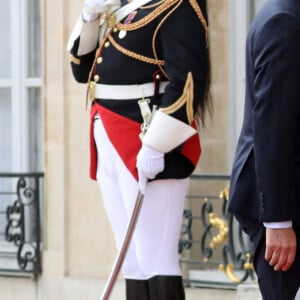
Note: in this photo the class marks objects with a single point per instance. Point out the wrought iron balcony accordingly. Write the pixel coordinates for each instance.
(212, 245)
(214, 250)
(20, 228)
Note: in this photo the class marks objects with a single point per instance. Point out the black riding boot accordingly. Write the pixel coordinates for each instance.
(166, 288)
(137, 289)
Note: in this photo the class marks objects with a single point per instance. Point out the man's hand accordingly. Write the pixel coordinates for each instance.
(281, 247)
(149, 163)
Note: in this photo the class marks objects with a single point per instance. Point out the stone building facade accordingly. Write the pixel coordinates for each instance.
(78, 247)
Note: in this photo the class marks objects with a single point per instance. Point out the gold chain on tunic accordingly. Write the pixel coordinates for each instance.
(164, 6)
(150, 17)
(135, 55)
(147, 19)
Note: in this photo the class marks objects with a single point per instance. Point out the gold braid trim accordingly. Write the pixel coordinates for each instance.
(199, 13)
(187, 98)
(188, 92)
(74, 59)
(156, 32)
(135, 55)
(147, 19)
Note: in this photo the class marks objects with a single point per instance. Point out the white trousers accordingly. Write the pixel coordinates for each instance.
(154, 246)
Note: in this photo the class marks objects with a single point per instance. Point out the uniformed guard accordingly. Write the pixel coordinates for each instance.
(146, 66)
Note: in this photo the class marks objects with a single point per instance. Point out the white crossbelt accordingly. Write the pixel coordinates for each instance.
(131, 91)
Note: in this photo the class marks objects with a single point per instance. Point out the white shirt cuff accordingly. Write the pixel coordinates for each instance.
(278, 225)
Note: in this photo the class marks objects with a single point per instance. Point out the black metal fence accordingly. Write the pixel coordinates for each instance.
(214, 250)
(20, 226)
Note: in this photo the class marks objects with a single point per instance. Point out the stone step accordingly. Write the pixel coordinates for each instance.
(71, 288)
(79, 288)
(251, 292)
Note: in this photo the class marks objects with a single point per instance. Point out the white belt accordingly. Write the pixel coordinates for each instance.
(131, 91)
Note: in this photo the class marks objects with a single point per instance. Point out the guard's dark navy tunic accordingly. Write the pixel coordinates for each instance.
(162, 41)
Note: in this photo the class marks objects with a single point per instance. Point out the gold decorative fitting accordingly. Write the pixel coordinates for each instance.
(229, 270)
(157, 77)
(96, 78)
(248, 265)
(111, 20)
(106, 44)
(222, 226)
(91, 90)
(99, 60)
(74, 59)
(122, 34)
(224, 194)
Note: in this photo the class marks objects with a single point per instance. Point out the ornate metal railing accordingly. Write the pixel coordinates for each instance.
(20, 227)
(214, 250)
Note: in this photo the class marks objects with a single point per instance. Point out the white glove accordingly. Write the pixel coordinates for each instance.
(93, 8)
(149, 163)
(89, 11)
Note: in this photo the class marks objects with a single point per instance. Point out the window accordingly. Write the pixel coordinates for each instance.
(20, 136)
(20, 86)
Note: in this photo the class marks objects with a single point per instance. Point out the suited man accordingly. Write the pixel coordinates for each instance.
(265, 182)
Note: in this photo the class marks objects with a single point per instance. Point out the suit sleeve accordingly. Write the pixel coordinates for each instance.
(276, 115)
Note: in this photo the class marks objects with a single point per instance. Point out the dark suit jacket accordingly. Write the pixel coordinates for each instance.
(265, 181)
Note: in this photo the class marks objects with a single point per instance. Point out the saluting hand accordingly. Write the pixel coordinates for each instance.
(87, 13)
(93, 8)
(281, 247)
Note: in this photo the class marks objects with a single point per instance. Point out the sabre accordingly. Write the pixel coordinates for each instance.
(122, 252)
